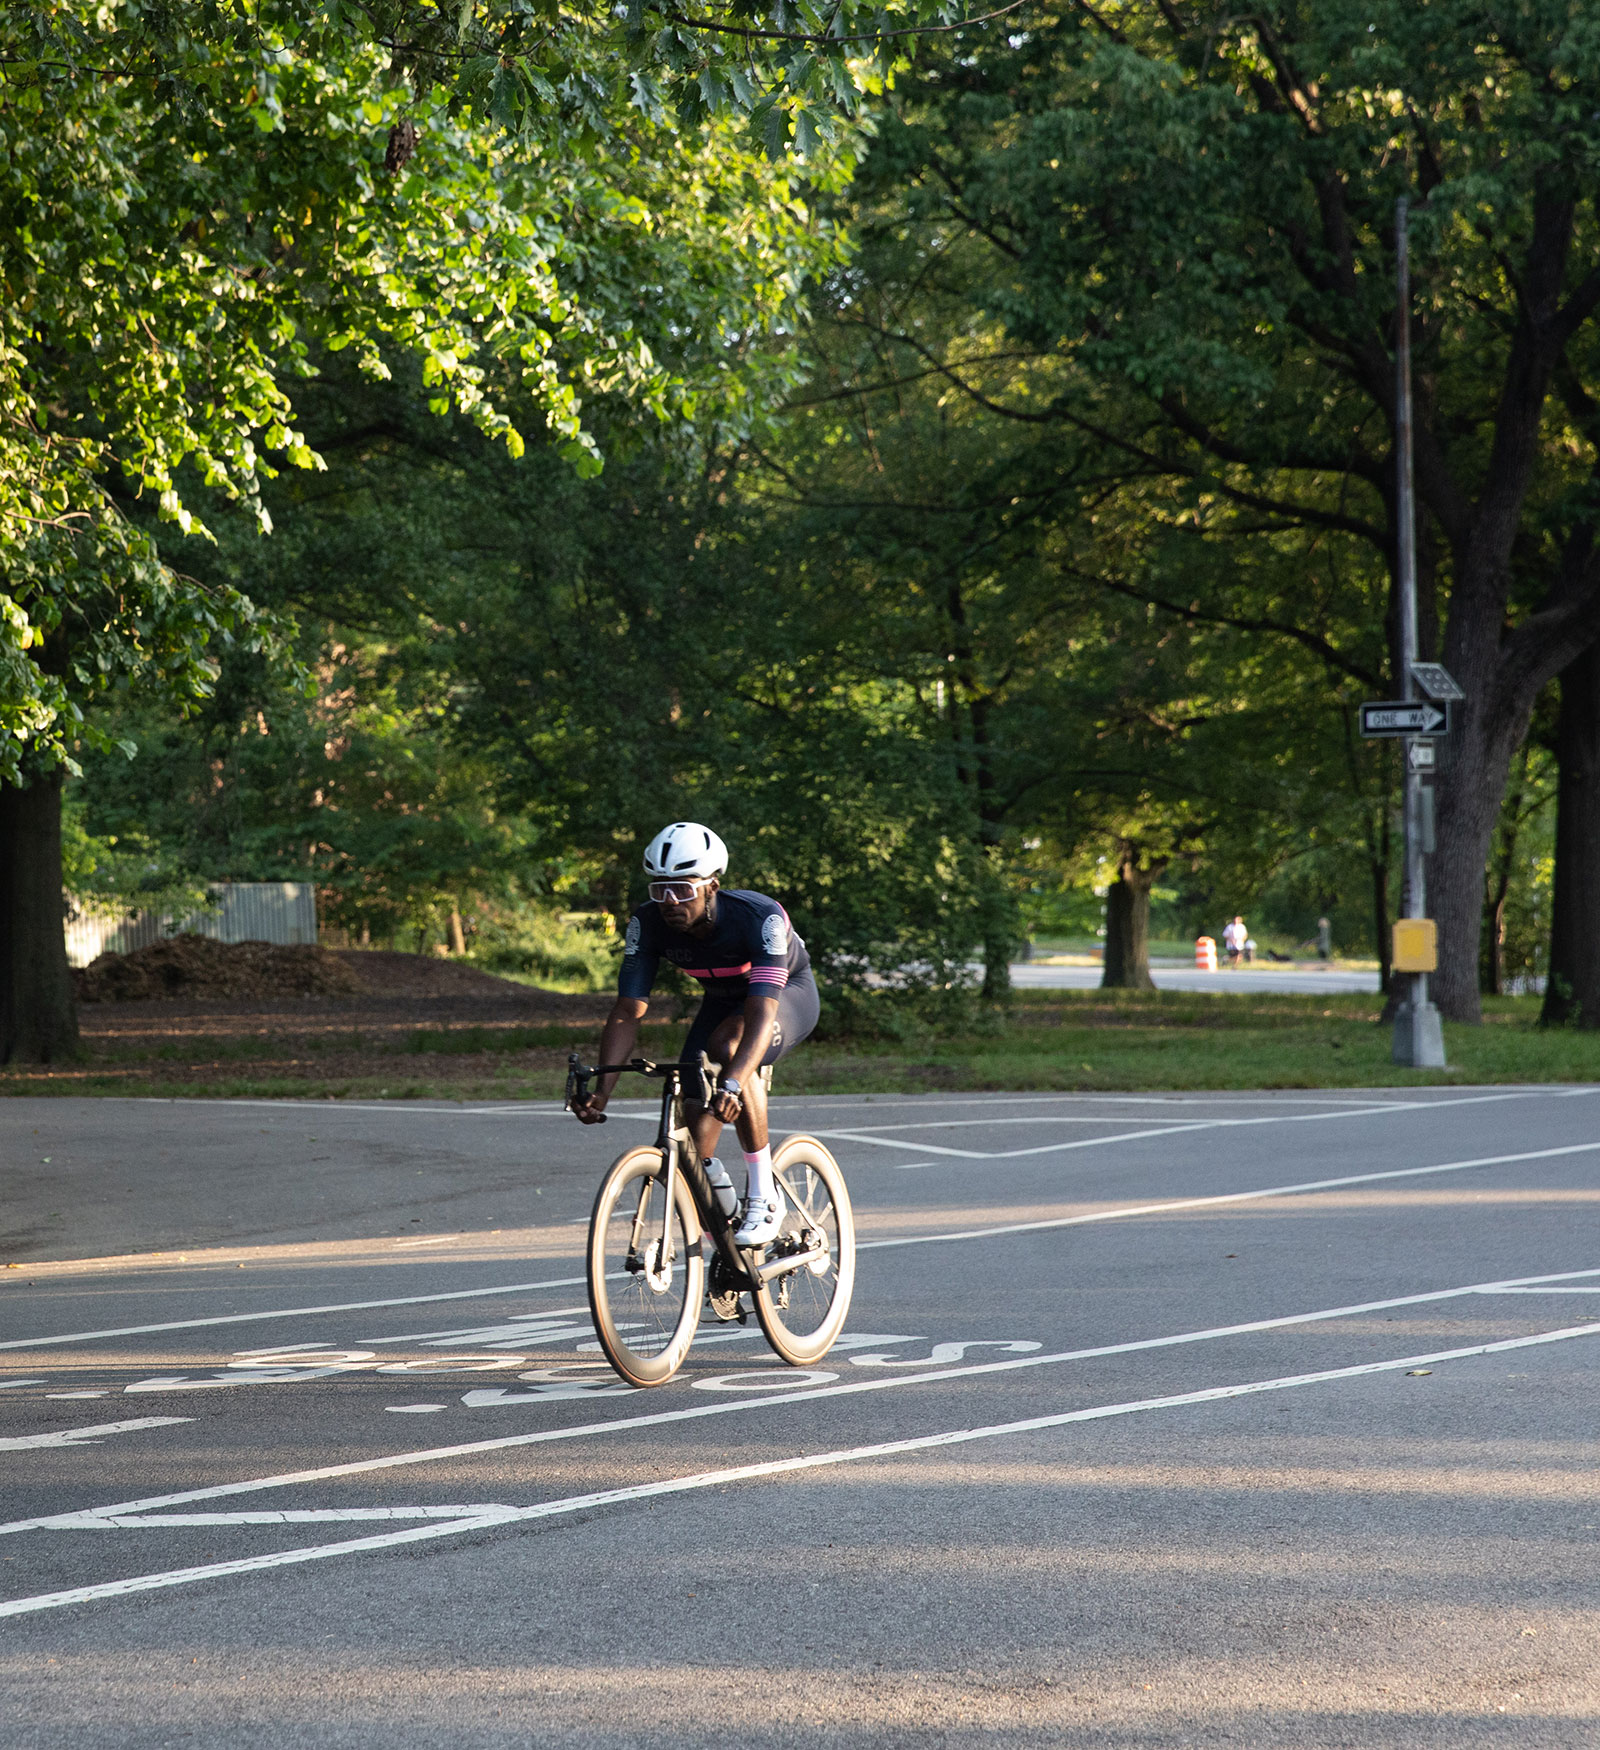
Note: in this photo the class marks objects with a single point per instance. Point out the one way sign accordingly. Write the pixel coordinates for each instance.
(1404, 717)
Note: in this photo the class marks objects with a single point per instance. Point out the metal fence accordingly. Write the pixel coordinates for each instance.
(246, 911)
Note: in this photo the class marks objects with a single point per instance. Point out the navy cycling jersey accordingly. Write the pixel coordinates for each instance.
(752, 947)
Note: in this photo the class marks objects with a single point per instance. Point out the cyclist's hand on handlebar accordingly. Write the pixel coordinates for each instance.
(725, 1105)
(591, 1109)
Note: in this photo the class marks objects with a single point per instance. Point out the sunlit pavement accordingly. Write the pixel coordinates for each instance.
(1260, 1419)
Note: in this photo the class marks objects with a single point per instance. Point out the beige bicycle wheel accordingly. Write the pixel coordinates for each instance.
(803, 1310)
(646, 1306)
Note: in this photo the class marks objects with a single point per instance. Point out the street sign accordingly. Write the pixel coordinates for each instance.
(1436, 681)
(1420, 756)
(1404, 717)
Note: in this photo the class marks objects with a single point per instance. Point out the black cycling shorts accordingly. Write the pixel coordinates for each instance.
(798, 1008)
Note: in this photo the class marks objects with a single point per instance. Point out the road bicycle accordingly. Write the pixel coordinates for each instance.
(648, 1276)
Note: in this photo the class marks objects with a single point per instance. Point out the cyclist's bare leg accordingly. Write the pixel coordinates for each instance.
(751, 1123)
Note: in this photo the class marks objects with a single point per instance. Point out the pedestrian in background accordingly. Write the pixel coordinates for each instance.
(1324, 939)
(1233, 939)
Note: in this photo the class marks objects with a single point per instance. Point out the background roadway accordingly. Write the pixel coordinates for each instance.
(1143, 1433)
(1257, 981)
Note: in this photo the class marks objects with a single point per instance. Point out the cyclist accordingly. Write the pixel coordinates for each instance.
(760, 1001)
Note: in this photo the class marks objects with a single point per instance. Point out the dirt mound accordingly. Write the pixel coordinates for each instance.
(388, 973)
(197, 966)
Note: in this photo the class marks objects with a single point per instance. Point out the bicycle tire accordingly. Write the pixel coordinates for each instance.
(803, 1312)
(645, 1317)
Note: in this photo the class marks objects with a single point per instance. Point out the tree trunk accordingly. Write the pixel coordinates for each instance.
(1493, 722)
(1128, 928)
(1494, 970)
(1572, 993)
(38, 1013)
(997, 969)
(1497, 884)
(458, 939)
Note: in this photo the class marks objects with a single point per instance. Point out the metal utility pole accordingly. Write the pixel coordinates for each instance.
(1418, 1037)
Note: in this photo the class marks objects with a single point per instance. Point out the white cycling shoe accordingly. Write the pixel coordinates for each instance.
(763, 1216)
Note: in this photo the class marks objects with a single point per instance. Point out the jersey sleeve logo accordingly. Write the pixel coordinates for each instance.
(630, 942)
(775, 934)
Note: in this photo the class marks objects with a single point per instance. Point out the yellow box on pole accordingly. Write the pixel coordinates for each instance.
(1416, 945)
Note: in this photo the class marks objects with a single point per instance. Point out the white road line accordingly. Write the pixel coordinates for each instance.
(291, 1312)
(650, 1108)
(405, 1108)
(1122, 1214)
(491, 1517)
(534, 1323)
(1591, 1289)
(696, 1412)
(1304, 1187)
(86, 1436)
(1048, 1148)
(867, 1134)
(285, 1516)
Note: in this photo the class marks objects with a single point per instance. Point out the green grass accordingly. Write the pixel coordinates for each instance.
(1065, 1041)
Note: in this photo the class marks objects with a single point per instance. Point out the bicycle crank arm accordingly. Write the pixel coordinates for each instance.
(792, 1261)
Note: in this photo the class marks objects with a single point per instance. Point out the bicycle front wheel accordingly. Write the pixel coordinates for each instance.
(803, 1310)
(645, 1298)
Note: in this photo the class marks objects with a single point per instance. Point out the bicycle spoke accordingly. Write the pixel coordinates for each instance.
(645, 1282)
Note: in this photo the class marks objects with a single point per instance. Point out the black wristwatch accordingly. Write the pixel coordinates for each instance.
(730, 1085)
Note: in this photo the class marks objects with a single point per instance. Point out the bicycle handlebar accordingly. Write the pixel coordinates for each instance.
(579, 1075)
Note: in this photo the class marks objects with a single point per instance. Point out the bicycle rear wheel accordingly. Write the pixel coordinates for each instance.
(803, 1310)
(645, 1307)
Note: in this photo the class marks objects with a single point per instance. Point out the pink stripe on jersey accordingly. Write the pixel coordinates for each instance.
(775, 975)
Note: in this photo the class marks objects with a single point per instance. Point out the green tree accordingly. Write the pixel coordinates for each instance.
(195, 204)
(1190, 212)
(1099, 671)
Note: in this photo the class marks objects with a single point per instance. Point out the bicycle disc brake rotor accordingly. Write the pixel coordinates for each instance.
(814, 1237)
(655, 1272)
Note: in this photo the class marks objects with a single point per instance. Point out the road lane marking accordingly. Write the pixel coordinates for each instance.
(290, 1312)
(696, 1412)
(864, 1245)
(489, 1518)
(86, 1436)
(1589, 1289)
(1048, 1148)
(544, 1109)
(1302, 1188)
(865, 1134)
(282, 1516)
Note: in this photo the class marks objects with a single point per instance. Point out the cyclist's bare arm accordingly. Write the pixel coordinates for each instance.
(616, 1046)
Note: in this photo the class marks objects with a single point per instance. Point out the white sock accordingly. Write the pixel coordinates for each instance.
(760, 1182)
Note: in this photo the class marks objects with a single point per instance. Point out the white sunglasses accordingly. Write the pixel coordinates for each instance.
(679, 891)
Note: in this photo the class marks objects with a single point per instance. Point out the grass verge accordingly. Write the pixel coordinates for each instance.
(1042, 1041)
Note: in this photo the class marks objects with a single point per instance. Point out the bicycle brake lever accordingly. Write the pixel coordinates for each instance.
(577, 1081)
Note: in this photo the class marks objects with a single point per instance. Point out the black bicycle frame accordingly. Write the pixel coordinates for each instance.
(674, 1140)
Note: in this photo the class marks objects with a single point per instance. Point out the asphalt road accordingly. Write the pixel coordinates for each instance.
(1258, 981)
(1160, 1421)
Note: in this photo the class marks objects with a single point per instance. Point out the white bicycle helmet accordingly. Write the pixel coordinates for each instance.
(685, 848)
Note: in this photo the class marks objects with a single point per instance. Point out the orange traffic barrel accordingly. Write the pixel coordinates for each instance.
(1205, 954)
